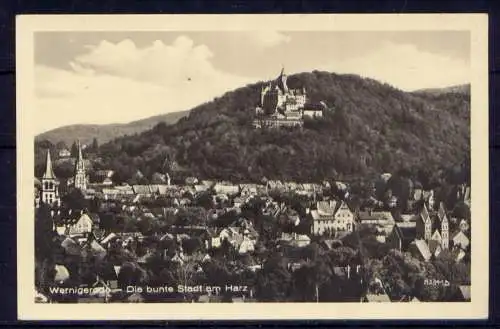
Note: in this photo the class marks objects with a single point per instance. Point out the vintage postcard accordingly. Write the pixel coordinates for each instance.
(252, 166)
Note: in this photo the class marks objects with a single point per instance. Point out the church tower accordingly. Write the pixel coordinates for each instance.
(50, 184)
(80, 174)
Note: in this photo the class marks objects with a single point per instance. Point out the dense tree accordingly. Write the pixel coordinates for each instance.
(95, 145)
(273, 281)
(74, 150)
(75, 200)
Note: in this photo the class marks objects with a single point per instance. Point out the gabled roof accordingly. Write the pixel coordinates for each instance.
(465, 291)
(460, 238)
(326, 208)
(436, 236)
(422, 248)
(141, 189)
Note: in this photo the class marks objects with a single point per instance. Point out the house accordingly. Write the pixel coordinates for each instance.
(332, 216)
(375, 217)
(367, 218)
(246, 246)
(344, 218)
(200, 188)
(323, 217)
(461, 240)
(142, 190)
(64, 153)
(248, 189)
(82, 226)
(376, 293)
(464, 225)
(296, 240)
(226, 188)
(232, 235)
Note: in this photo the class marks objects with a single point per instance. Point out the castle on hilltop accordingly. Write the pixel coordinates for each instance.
(281, 106)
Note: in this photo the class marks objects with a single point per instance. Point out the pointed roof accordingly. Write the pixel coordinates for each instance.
(49, 172)
(79, 163)
(281, 81)
(425, 214)
(441, 212)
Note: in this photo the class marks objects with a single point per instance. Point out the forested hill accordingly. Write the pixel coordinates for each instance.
(369, 128)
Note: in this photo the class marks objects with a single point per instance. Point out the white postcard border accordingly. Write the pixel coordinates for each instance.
(477, 24)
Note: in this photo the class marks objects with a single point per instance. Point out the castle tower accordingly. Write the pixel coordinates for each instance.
(80, 173)
(50, 184)
(282, 82)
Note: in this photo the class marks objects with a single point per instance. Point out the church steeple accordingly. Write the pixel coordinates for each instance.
(49, 172)
(50, 184)
(80, 174)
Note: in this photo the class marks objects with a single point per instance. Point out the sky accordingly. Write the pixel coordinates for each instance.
(118, 77)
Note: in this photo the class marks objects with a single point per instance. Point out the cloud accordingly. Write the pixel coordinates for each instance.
(266, 39)
(121, 82)
(406, 67)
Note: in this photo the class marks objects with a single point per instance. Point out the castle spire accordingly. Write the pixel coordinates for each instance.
(49, 172)
(282, 81)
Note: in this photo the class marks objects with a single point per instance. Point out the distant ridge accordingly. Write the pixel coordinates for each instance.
(106, 132)
(457, 89)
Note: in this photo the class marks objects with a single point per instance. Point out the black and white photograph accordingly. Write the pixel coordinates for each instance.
(254, 162)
